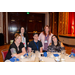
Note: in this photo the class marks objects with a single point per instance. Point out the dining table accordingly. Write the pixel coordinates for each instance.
(44, 58)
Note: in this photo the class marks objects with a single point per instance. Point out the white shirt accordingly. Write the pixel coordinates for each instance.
(42, 38)
(23, 40)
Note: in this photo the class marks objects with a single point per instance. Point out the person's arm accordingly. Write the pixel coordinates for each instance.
(50, 44)
(62, 44)
(29, 49)
(17, 55)
(41, 49)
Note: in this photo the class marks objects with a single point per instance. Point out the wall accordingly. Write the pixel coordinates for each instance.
(6, 27)
(46, 16)
(55, 23)
(1, 22)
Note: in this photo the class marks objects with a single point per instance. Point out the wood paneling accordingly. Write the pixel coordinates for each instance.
(31, 22)
(35, 22)
(51, 20)
(0, 19)
(63, 23)
(4, 26)
(54, 22)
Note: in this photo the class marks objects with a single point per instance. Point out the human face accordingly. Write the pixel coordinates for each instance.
(46, 29)
(35, 37)
(18, 39)
(22, 30)
(54, 39)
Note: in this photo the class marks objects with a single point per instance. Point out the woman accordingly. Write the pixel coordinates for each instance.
(56, 45)
(45, 37)
(17, 47)
(24, 36)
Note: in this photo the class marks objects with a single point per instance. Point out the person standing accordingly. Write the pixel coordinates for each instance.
(45, 37)
(24, 36)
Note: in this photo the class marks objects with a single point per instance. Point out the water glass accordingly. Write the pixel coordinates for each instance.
(32, 52)
(57, 59)
(37, 56)
(63, 55)
(49, 52)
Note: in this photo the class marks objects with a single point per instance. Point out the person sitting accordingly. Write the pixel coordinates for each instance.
(18, 46)
(35, 44)
(56, 45)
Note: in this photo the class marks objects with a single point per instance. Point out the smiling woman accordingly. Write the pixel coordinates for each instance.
(16, 48)
(56, 45)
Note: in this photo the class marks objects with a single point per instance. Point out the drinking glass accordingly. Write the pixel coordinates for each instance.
(62, 55)
(52, 52)
(57, 59)
(32, 52)
(29, 54)
(37, 56)
(49, 52)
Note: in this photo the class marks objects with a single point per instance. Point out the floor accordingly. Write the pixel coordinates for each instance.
(67, 48)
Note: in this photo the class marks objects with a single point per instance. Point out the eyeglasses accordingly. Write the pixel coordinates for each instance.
(54, 38)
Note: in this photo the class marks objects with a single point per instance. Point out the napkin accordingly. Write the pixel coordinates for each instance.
(17, 59)
(45, 54)
(13, 59)
(72, 54)
(56, 55)
(25, 54)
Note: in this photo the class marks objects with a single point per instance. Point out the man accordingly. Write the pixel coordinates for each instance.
(35, 44)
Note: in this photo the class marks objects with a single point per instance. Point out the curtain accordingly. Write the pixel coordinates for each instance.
(71, 25)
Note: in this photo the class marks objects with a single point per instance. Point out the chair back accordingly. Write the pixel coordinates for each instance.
(73, 50)
(4, 53)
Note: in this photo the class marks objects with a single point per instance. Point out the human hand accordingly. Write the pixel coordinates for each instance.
(16, 55)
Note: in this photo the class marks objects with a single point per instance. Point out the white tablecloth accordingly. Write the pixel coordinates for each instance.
(45, 59)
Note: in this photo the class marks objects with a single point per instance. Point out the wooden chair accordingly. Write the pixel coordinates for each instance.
(4, 53)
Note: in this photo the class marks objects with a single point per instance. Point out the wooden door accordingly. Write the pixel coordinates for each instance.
(35, 22)
(15, 20)
(31, 22)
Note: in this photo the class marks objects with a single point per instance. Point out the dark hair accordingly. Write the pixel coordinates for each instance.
(35, 34)
(44, 30)
(24, 31)
(57, 40)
